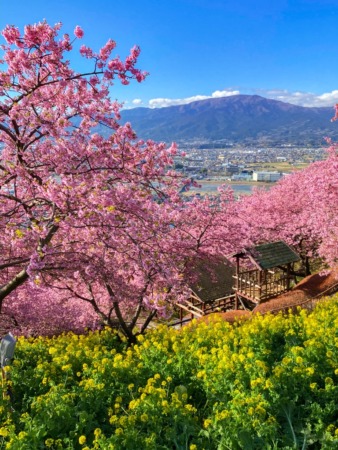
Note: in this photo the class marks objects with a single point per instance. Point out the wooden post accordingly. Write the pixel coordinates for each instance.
(288, 277)
(260, 286)
(237, 282)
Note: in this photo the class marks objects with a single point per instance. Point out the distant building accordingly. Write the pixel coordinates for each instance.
(245, 175)
(267, 176)
(230, 169)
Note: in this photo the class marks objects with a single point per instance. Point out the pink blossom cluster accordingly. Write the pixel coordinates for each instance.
(78, 32)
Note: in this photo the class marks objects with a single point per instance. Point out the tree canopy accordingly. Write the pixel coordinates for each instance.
(90, 222)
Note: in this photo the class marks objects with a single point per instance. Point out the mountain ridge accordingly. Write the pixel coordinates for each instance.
(238, 118)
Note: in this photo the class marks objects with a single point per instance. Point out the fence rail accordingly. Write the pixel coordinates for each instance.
(196, 308)
(258, 286)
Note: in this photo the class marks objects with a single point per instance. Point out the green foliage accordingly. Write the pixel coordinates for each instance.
(269, 383)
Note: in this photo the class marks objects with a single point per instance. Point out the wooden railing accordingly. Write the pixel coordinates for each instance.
(189, 307)
(222, 304)
(196, 308)
(257, 285)
(248, 284)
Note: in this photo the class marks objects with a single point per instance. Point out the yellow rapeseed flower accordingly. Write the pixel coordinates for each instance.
(113, 419)
(144, 417)
(97, 432)
(207, 423)
(82, 439)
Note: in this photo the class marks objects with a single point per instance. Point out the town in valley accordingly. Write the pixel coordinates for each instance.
(233, 163)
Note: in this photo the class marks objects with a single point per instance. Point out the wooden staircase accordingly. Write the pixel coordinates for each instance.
(190, 308)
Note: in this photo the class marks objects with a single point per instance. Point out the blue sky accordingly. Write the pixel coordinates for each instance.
(197, 49)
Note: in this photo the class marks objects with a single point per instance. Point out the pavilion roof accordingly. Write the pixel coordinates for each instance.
(214, 280)
(273, 254)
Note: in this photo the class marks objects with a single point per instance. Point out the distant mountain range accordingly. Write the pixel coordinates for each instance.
(237, 119)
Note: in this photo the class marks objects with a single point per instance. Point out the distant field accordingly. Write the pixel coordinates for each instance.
(278, 166)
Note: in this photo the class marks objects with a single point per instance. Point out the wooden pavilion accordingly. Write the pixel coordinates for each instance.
(263, 272)
(211, 291)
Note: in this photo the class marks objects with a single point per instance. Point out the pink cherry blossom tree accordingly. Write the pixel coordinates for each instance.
(121, 267)
(301, 209)
(90, 223)
(42, 152)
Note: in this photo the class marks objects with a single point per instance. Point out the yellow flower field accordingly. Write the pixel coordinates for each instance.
(268, 383)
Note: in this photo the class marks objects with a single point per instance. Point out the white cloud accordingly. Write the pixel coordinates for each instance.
(225, 93)
(329, 97)
(136, 101)
(301, 98)
(163, 102)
